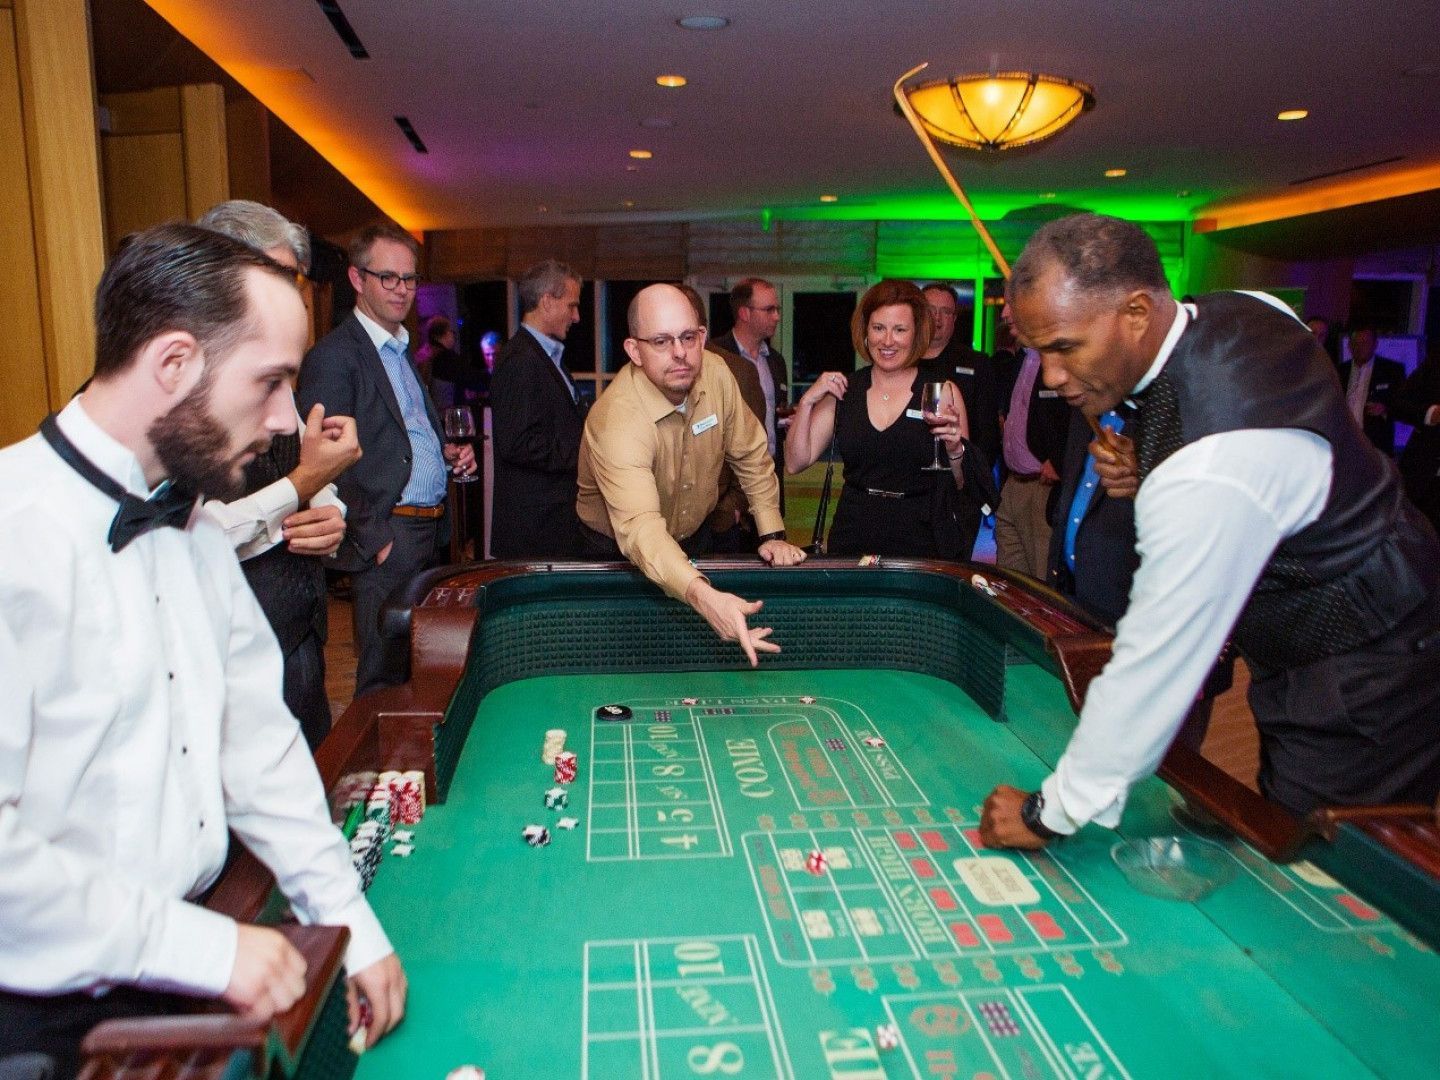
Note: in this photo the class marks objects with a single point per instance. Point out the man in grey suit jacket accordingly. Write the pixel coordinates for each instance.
(396, 526)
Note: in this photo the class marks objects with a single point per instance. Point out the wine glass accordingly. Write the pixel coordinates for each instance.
(460, 429)
(931, 399)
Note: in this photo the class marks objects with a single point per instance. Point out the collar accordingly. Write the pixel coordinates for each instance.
(655, 405)
(1183, 314)
(553, 349)
(379, 335)
(110, 456)
(761, 353)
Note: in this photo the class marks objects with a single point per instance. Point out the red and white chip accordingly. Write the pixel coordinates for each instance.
(817, 864)
(887, 1036)
(689, 701)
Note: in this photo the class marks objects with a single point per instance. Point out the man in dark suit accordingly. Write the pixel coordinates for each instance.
(537, 419)
(755, 304)
(974, 375)
(290, 516)
(396, 526)
(1417, 402)
(1369, 382)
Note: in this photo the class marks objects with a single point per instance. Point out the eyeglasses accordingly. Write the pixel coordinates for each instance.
(773, 309)
(664, 342)
(390, 281)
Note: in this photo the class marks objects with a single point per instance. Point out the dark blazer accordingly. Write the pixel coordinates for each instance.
(1420, 460)
(732, 496)
(1385, 380)
(536, 429)
(343, 371)
(1105, 555)
(777, 372)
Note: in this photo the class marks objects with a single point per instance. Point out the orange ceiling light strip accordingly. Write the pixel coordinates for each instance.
(1317, 197)
(285, 93)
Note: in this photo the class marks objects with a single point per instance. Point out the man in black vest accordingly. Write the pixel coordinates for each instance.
(537, 419)
(1263, 515)
(289, 519)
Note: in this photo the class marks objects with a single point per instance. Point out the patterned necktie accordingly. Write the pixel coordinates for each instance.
(170, 506)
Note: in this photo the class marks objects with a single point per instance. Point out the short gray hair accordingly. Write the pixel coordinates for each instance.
(1099, 254)
(543, 279)
(260, 227)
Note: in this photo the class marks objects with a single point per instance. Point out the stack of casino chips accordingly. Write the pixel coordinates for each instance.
(554, 743)
(406, 794)
(567, 765)
(366, 848)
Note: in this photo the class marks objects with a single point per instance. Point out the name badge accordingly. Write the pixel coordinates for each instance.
(1048, 394)
(702, 426)
(964, 371)
(914, 414)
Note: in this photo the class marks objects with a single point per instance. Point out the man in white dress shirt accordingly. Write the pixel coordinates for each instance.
(1263, 516)
(140, 707)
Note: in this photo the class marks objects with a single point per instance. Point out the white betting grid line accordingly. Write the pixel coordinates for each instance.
(585, 1014)
(1023, 995)
(1339, 922)
(898, 763)
(978, 1023)
(717, 804)
(651, 1039)
(640, 1012)
(631, 794)
(763, 993)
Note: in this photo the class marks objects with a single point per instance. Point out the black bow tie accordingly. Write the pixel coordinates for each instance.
(170, 506)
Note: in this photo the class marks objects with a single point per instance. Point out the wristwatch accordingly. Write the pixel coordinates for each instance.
(1030, 815)
(772, 536)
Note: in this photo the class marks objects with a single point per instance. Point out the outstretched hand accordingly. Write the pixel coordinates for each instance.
(728, 615)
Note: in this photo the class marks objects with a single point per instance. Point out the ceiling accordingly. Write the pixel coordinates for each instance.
(533, 104)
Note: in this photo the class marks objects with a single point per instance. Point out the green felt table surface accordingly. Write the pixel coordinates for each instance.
(677, 932)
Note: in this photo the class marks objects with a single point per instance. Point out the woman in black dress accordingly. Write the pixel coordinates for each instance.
(890, 504)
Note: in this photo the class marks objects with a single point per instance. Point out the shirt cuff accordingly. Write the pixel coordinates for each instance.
(368, 940)
(192, 951)
(769, 521)
(1052, 814)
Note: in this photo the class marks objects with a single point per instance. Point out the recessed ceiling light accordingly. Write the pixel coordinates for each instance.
(628, 204)
(829, 198)
(703, 22)
(671, 81)
(1114, 173)
(641, 155)
(657, 122)
(1292, 114)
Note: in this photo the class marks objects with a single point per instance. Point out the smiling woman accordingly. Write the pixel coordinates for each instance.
(892, 503)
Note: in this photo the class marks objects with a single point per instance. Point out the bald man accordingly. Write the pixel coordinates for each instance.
(650, 464)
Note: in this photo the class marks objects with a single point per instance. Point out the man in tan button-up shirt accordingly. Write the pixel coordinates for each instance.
(650, 463)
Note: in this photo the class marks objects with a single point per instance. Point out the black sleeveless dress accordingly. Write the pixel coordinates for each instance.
(900, 522)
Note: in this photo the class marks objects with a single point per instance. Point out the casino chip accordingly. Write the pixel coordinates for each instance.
(887, 1036)
(689, 701)
(466, 1072)
(536, 835)
(807, 700)
(982, 583)
(875, 742)
(613, 712)
(567, 823)
(816, 863)
(556, 798)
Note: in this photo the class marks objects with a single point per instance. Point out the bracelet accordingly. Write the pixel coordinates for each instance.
(956, 457)
(772, 536)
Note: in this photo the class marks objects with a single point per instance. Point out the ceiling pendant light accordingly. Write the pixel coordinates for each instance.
(999, 111)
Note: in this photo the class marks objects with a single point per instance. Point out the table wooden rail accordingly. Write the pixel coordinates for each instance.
(204, 1045)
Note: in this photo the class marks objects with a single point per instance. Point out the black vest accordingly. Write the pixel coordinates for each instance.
(1369, 559)
(290, 588)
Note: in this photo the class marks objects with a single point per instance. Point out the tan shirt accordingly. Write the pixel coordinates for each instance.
(650, 472)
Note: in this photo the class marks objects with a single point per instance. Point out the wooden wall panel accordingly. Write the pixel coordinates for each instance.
(247, 149)
(466, 254)
(202, 127)
(58, 100)
(144, 183)
(22, 360)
